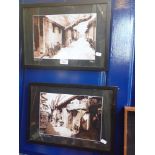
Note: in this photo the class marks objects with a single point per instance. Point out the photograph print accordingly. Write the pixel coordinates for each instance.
(64, 36)
(72, 116)
(68, 37)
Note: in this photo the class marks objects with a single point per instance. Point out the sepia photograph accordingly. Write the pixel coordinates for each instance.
(74, 37)
(64, 36)
(72, 116)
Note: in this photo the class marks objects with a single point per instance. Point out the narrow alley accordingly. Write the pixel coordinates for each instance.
(79, 49)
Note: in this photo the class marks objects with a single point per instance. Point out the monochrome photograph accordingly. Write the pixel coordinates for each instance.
(64, 36)
(72, 116)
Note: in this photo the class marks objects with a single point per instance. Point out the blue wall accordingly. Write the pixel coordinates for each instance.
(120, 73)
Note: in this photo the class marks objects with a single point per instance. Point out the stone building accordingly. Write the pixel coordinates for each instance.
(47, 35)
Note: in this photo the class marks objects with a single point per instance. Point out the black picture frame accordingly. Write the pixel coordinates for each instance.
(38, 133)
(102, 9)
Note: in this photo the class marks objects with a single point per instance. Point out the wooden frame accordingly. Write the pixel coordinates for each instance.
(102, 8)
(126, 110)
(104, 142)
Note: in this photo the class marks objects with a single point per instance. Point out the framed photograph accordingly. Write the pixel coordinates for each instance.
(68, 35)
(73, 116)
